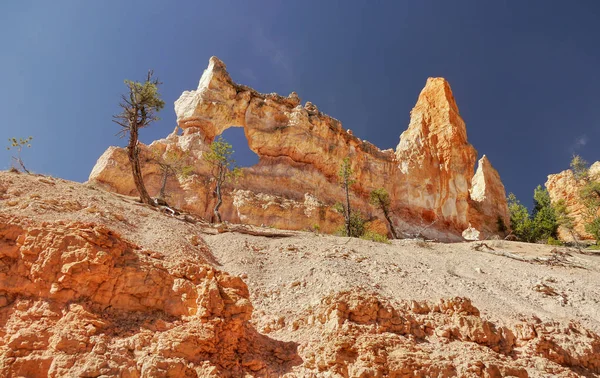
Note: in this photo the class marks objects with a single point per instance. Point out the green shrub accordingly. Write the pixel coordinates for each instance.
(541, 224)
(552, 241)
(374, 236)
(594, 228)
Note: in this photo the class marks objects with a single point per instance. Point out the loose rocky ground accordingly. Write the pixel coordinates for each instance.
(95, 284)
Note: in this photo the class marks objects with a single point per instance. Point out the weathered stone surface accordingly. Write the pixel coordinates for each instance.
(94, 284)
(564, 186)
(435, 158)
(357, 334)
(488, 200)
(300, 151)
(78, 300)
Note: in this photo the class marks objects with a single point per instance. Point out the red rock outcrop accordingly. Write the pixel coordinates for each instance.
(82, 294)
(564, 186)
(78, 300)
(357, 334)
(294, 185)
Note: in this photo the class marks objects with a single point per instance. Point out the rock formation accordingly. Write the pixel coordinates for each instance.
(94, 284)
(488, 199)
(294, 185)
(78, 299)
(564, 186)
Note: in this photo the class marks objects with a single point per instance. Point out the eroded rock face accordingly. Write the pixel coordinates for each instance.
(434, 156)
(300, 151)
(78, 300)
(564, 186)
(357, 334)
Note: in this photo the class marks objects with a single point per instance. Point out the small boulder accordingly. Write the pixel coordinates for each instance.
(470, 233)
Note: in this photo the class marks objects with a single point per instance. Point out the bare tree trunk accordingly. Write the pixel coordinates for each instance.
(18, 159)
(389, 220)
(134, 158)
(161, 195)
(218, 204)
(347, 214)
(218, 192)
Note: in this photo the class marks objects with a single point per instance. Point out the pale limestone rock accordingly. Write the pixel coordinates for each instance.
(471, 233)
(488, 199)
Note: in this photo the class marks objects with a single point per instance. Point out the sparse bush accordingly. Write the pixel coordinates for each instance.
(590, 196)
(374, 236)
(552, 241)
(356, 226)
(18, 145)
(593, 228)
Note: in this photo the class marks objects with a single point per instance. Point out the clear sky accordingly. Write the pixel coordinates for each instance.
(526, 74)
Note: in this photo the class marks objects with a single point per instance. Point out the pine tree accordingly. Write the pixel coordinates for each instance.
(140, 106)
(223, 169)
(381, 199)
(544, 219)
(346, 175)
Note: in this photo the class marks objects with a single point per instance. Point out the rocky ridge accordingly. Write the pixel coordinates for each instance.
(294, 185)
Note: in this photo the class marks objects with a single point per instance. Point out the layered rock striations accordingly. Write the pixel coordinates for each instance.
(564, 186)
(295, 183)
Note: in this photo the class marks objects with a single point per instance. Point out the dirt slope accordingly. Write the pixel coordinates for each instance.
(94, 284)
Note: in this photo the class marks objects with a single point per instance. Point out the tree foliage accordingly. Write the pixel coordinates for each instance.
(223, 169)
(590, 196)
(545, 224)
(18, 144)
(139, 109)
(579, 167)
(346, 175)
(355, 227)
(539, 226)
(520, 222)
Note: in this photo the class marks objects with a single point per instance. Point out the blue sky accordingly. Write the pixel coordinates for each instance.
(526, 74)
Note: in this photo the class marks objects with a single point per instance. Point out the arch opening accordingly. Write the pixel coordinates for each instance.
(242, 153)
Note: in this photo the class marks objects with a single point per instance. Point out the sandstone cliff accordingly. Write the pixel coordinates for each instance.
(294, 185)
(564, 186)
